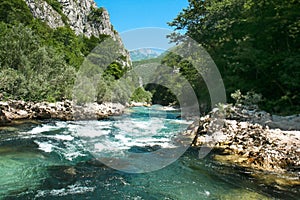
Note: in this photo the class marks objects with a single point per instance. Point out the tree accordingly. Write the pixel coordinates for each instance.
(14, 12)
(255, 44)
(30, 71)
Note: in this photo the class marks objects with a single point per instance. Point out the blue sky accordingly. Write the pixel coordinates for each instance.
(130, 14)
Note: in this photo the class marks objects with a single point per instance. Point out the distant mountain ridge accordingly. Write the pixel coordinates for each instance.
(145, 53)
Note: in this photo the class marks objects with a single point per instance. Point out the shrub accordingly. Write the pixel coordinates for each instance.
(141, 95)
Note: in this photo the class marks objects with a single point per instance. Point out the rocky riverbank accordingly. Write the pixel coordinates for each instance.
(252, 139)
(138, 104)
(66, 110)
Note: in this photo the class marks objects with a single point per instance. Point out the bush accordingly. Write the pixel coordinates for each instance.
(14, 12)
(30, 71)
(96, 15)
(58, 8)
(141, 95)
(250, 99)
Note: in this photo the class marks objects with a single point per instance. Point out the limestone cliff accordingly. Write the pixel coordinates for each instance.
(82, 16)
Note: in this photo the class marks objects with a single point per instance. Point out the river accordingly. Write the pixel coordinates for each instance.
(58, 160)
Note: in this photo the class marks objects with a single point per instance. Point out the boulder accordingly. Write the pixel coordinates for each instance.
(250, 144)
(20, 110)
(3, 118)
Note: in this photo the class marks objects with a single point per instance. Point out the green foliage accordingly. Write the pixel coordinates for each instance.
(62, 39)
(96, 15)
(250, 99)
(161, 95)
(255, 44)
(58, 8)
(104, 72)
(30, 71)
(141, 95)
(190, 73)
(143, 62)
(11, 83)
(115, 69)
(172, 72)
(91, 43)
(14, 12)
(67, 43)
(38, 63)
(17, 43)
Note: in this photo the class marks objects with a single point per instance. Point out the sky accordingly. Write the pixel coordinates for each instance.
(131, 14)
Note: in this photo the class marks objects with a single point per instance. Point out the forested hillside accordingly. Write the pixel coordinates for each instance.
(255, 44)
(38, 62)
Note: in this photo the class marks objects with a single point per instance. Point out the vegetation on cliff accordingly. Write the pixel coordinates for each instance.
(38, 63)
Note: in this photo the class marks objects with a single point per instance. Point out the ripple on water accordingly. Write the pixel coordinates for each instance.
(50, 161)
(21, 171)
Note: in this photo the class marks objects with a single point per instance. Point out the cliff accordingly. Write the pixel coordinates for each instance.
(82, 16)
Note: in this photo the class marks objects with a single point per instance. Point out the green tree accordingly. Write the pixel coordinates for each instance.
(141, 95)
(14, 12)
(30, 71)
(255, 44)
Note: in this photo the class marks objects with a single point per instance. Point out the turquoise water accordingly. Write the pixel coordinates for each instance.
(60, 160)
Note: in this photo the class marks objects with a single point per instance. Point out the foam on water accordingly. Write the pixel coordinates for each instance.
(41, 129)
(69, 190)
(63, 137)
(116, 136)
(45, 146)
(139, 127)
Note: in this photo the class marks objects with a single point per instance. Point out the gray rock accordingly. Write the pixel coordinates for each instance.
(19, 110)
(78, 14)
(45, 12)
(251, 144)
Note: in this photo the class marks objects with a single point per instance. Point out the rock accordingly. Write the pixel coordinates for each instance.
(45, 12)
(242, 194)
(243, 125)
(139, 104)
(3, 118)
(67, 111)
(285, 123)
(81, 17)
(250, 144)
(23, 114)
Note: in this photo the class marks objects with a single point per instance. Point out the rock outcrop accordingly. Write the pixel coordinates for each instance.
(42, 10)
(78, 16)
(82, 16)
(21, 110)
(243, 137)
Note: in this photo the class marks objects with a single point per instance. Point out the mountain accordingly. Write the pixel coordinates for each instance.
(45, 43)
(82, 16)
(145, 53)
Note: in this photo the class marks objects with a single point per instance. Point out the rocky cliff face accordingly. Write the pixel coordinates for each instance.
(82, 16)
(45, 12)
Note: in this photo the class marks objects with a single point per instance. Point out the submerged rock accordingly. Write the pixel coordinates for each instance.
(242, 194)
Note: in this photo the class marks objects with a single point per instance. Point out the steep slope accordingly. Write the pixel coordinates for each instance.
(82, 16)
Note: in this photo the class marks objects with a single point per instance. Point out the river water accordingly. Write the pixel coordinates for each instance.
(58, 160)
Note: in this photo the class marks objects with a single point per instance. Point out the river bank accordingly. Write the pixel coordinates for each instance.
(252, 139)
(67, 111)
